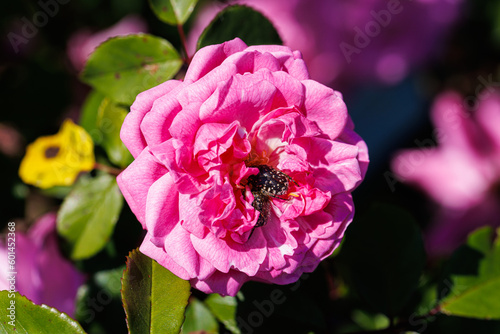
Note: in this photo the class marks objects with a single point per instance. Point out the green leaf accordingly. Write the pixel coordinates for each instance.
(383, 257)
(427, 296)
(173, 12)
(109, 122)
(88, 117)
(224, 309)
(109, 281)
(27, 317)
(99, 302)
(443, 324)
(239, 21)
(474, 271)
(88, 215)
(124, 66)
(199, 318)
(368, 321)
(57, 191)
(103, 119)
(154, 299)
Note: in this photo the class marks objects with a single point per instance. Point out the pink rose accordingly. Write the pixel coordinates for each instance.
(43, 275)
(196, 143)
(461, 174)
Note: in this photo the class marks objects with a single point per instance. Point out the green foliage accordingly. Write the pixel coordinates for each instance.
(109, 122)
(154, 299)
(99, 300)
(88, 215)
(199, 318)
(224, 309)
(103, 119)
(444, 324)
(474, 271)
(31, 318)
(122, 67)
(369, 321)
(173, 12)
(88, 117)
(108, 279)
(239, 21)
(383, 257)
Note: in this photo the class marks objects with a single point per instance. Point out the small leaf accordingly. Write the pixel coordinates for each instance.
(154, 299)
(88, 117)
(474, 271)
(57, 160)
(427, 293)
(22, 316)
(370, 322)
(173, 12)
(124, 66)
(199, 319)
(88, 215)
(239, 21)
(109, 281)
(383, 257)
(109, 122)
(224, 309)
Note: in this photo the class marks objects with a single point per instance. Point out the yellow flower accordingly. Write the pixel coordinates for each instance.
(57, 160)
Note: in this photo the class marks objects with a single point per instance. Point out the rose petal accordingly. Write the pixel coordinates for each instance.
(282, 127)
(178, 159)
(130, 133)
(352, 138)
(451, 121)
(209, 57)
(162, 207)
(225, 284)
(177, 245)
(325, 107)
(280, 243)
(341, 208)
(437, 171)
(290, 91)
(243, 99)
(335, 164)
(135, 180)
(225, 254)
(158, 253)
(161, 116)
(216, 142)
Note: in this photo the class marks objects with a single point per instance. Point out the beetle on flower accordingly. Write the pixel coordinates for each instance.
(268, 183)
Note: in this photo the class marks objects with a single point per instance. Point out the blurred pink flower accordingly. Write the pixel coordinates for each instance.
(196, 143)
(43, 275)
(11, 141)
(82, 43)
(355, 40)
(462, 174)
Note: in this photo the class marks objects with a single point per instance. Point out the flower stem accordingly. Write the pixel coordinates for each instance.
(187, 58)
(107, 169)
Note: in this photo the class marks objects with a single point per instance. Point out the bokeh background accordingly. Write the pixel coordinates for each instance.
(390, 59)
